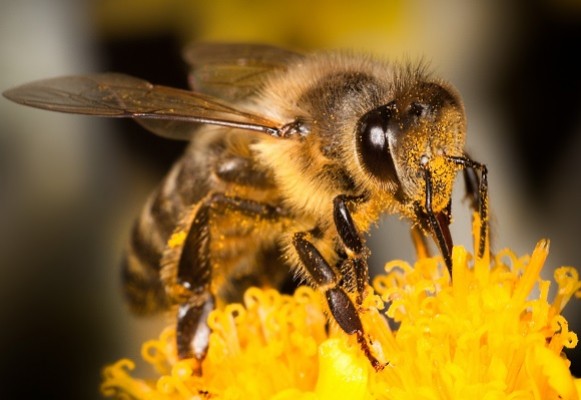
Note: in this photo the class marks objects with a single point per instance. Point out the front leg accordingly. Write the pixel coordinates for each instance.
(477, 192)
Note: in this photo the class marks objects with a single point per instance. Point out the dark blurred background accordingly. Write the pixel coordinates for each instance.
(70, 186)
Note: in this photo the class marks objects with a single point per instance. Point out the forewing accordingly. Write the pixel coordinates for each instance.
(233, 71)
(169, 112)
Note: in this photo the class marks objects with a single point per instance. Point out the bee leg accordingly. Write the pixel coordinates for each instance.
(479, 198)
(194, 277)
(194, 270)
(192, 330)
(477, 191)
(327, 279)
(352, 241)
(472, 183)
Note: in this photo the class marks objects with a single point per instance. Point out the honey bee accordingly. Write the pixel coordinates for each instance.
(291, 159)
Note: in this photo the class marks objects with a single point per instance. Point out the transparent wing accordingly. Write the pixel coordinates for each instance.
(166, 111)
(233, 71)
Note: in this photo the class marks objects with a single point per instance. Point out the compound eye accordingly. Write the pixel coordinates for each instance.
(373, 132)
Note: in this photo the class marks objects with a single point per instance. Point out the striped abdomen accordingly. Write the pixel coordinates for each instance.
(161, 214)
(242, 251)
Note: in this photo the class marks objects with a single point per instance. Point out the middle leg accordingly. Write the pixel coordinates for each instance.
(328, 280)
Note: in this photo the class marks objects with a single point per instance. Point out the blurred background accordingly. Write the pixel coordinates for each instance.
(70, 186)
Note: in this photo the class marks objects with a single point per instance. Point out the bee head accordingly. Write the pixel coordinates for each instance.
(401, 143)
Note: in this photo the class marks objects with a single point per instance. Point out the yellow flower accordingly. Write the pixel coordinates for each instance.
(490, 332)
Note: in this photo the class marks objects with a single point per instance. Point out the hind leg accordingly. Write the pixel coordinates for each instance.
(191, 281)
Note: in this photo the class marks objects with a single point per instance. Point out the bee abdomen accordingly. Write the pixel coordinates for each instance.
(142, 283)
(143, 290)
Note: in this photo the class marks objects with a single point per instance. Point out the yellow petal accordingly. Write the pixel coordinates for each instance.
(342, 373)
